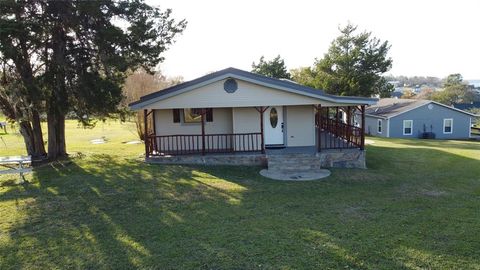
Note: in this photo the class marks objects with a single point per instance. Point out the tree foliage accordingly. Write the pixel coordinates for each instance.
(353, 66)
(140, 83)
(73, 56)
(408, 94)
(455, 90)
(274, 68)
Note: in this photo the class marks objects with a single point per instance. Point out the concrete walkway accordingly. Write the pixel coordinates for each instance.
(295, 175)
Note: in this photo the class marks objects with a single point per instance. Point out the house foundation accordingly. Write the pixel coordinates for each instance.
(343, 158)
(335, 158)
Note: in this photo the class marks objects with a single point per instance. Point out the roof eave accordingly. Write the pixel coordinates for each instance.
(377, 116)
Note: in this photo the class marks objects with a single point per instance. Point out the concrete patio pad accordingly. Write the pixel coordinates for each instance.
(295, 176)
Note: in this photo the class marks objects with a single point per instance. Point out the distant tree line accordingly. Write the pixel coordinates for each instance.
(415, 81)
(455, 90)
(452, 90)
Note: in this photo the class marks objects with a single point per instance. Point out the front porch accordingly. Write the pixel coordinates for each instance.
(331, 128)
(337, 141)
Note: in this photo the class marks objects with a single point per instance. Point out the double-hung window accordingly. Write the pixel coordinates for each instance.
(448, 126)
(379, 126)
(407, 127)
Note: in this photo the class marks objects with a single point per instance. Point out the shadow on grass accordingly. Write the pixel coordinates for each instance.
(108, 212)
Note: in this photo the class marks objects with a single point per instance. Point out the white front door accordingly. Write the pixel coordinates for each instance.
(273, 125)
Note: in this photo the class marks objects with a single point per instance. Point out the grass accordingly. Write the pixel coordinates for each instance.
(416, 207)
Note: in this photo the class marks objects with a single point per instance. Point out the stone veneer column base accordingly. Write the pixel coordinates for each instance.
(342, 158)
(212, 159)
(332, 158)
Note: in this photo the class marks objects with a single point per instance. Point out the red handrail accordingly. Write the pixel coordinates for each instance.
(186, 144)
(338, 135)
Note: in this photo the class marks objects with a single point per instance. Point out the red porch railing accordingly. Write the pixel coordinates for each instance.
(335, 129)
(214, 143)
(337, 135)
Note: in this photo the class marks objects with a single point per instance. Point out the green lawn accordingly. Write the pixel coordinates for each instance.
(416, 207)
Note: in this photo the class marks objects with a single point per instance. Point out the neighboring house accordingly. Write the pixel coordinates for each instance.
(396, 94)
(467, 106)
(233, 112)
(410, 118)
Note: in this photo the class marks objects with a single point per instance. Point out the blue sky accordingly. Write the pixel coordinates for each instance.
(428, 38)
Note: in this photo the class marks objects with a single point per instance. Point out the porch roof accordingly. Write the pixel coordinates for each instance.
(272, 83)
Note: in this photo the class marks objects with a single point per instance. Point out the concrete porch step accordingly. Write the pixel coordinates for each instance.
(286, 156)
(293, 162)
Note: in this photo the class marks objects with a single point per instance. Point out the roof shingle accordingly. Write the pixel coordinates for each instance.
(387, 107)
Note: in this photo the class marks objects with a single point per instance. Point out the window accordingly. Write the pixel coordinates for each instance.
(407, 127)
(273, 117)
(176, 116)
(193, 115)
(448, 126)
(379, 126)
(209, 115)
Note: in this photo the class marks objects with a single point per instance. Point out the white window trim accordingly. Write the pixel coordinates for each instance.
(379, 126)
(388, 128)
(451, 128)
(470, 129)
(411, 127)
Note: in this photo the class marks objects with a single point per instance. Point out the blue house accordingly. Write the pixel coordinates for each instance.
(467, 106)
(410, 118)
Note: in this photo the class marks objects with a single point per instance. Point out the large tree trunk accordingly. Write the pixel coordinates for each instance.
(38, 136)
(34, 149)
(27, 134)
(31, 131)
(58, 102)
(56, 135)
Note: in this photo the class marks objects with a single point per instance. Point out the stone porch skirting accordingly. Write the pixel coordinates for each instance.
(335, 158)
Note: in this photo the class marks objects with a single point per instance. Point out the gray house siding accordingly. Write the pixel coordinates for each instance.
(371, 126)
(432, 120)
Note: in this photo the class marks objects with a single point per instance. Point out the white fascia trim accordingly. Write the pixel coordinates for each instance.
(458, 110)
(376, 116)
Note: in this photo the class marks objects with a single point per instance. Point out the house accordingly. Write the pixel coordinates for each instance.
(396, 94)
(467, 106)
(236, 117)
(410, 118)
